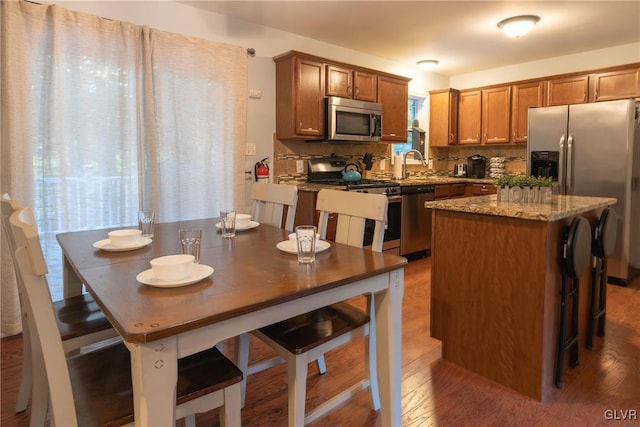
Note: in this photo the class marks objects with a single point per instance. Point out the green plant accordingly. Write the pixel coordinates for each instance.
(546, 181)
(503, 181)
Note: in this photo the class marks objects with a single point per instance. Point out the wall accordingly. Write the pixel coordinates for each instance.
(181, 18)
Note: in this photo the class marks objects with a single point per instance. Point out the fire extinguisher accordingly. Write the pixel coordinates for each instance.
(261, 170)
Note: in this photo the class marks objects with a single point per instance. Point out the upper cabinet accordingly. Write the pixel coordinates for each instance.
(484, 116)
(303, 81)
(348, 83)
(568, 90)
(469, 117)
(299, 98)
(523, 96)
(443, 122)
(393, 94)
(496, 115)
(616, 85)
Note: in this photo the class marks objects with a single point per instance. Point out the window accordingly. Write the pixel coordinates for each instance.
(414, 107)
(109, 117)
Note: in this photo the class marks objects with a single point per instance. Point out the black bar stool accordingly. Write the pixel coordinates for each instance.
(576, 254)
(604, 241)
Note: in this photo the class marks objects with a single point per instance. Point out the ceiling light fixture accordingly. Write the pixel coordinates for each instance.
(427, 64)
(518, 26)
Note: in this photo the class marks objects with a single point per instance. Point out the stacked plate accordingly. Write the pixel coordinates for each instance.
(496, 167)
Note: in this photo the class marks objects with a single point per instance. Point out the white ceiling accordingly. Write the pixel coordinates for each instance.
(462, 35)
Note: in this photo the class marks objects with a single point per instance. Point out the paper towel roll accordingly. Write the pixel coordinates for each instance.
(397, 167)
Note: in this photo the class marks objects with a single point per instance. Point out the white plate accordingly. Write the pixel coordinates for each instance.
(252, 224)
(199, 272)
(291, 247)
(105, 245)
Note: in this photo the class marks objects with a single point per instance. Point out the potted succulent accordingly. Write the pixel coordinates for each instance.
(523, 188)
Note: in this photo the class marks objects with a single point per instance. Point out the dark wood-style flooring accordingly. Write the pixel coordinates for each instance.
(603, 390)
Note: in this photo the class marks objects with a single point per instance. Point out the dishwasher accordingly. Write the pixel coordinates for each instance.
(415, 224)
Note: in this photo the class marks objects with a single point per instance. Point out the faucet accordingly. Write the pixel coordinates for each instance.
(405, 172)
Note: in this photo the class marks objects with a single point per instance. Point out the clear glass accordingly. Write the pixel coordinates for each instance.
(146, 221)
(228, 223)
(306, 241)
(190, 242)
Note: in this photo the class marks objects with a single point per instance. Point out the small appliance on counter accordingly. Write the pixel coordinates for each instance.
(460, 170)
(476, 166)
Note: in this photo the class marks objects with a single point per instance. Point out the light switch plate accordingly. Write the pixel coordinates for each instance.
(255, 93)
(299, 166)
(383, 164)
(250, 150)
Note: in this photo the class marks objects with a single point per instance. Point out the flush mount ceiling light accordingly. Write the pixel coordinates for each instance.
(518, 26)
(427, 64)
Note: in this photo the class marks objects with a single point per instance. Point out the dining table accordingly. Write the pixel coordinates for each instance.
(253, 284)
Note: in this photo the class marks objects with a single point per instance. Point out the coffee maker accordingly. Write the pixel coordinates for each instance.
(476, 166)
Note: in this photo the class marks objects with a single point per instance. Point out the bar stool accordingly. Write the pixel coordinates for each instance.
(604, 241)
(575, 260)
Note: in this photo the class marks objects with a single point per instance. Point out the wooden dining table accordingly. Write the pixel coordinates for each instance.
(253, 284)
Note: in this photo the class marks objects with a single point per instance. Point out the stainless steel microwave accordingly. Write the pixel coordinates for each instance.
(352, 120)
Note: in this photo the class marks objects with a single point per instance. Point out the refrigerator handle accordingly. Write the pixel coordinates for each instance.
(561, 167)
(569, 163)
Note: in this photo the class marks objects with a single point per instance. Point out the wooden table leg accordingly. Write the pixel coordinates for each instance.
(72, 285)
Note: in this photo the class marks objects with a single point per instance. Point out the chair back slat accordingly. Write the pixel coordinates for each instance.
(270, 202)
(46, 343)
(353, 209)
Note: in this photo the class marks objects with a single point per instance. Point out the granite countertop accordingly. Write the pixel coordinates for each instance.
(435, 180)
(559, 208)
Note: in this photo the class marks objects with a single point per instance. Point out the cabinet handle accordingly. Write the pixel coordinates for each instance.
(584, 96)
(349, 90)
(392, 134)
(451, 137)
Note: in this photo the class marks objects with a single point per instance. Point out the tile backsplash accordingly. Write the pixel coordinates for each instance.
(287, 153)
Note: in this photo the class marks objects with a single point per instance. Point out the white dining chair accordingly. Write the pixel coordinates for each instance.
(95, 388)
(305, 338)
(271, 201)
(79, 319)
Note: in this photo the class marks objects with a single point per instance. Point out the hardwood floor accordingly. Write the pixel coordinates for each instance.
(605, 388)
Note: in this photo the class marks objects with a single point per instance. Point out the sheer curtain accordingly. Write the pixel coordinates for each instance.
(101, 118)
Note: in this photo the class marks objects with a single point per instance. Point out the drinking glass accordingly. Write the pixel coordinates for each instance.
(306, 240)
(190, 241)
(228, 223)
(146, 220)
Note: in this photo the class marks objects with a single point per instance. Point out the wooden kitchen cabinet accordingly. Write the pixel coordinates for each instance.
(299, 98)
(443, 117)
(393, 94)
(616, 85)
(348, 83)
(568, 90)
(480, 189)
(365, 86)
(496, 115)
(458, 190)
(469, 117)
(523, 96)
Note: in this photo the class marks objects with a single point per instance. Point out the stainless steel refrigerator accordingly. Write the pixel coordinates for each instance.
(594, 150)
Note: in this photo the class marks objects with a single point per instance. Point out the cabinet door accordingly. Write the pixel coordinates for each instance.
(524, 95)
(469, 117)
(365, 86)
(496, 115)
(570, 90)
(309, 96)
(393, 94)
(339, 81)
(616, 85)
(443, 118)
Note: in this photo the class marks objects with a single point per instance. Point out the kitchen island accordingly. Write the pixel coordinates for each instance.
(495, 285)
